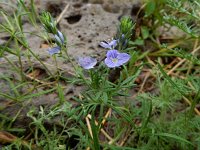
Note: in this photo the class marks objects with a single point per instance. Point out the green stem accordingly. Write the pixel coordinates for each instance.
(13, 65)
(70, 60)
(57, 70)
(20, 61)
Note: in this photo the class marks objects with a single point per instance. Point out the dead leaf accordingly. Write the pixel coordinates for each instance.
(6, 137)
(44, 46)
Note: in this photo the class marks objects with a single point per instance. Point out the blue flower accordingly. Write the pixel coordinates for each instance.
(59, 37)
(124, 40)
(54, 50)
(87, 62)
(116, 59)
(109, 45)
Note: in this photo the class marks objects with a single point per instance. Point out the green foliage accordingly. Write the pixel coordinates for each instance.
(150, 8)
(167, 125)
(126, 27)
(124, 32)
(48, 22)
(185, 15)
(30, 12)
(181, 24)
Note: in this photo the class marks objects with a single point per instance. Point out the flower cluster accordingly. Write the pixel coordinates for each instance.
(50, 26)
(59, 37)
(60, 41)
(113, 57)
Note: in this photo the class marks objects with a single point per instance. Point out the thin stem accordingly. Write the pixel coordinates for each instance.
(57, 70)
(12, 64)
(20, 61)
(70, 60)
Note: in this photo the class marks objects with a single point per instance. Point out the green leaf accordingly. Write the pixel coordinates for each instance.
(174, 137)
(138, 41)
(126, 116)
(8, 97)
(36, 94)
(170, 80)
(145, 32)
(105, 97)
(150, 8)
(60, 93)
(95, 133)
(128, 80)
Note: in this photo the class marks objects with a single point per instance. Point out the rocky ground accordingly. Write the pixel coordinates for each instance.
(85, 23)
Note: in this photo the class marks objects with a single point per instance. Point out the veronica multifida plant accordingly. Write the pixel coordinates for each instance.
(100, 92)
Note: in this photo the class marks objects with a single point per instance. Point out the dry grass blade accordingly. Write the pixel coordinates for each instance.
(62, 13)
(144, 81)
(125, 139)
(102, 130)
(183, 60)
(88, 125)
(189, 103)
(6, 138)
(106, 116)
(35, 74)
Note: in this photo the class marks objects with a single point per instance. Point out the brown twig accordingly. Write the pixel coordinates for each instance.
(183, 60)
(189, 103)
(102, 130)
(124, 139)
(144, 81)
(6, 137)
(62, 13)
(88, 125)
(106, 116)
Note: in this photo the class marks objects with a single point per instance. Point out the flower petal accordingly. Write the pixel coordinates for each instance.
(113, 43)
(123, 58)
(61, 36)
(112, 53)
(87, 62)
(105, 45)
(58, 39)
(54, 50)
(109, 63)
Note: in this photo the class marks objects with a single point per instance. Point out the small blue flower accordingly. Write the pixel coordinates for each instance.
(109, 45)
(116, 59)
(62, 38)
(87, 62)
(124, 40)
(54, 50)
(59, 38)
